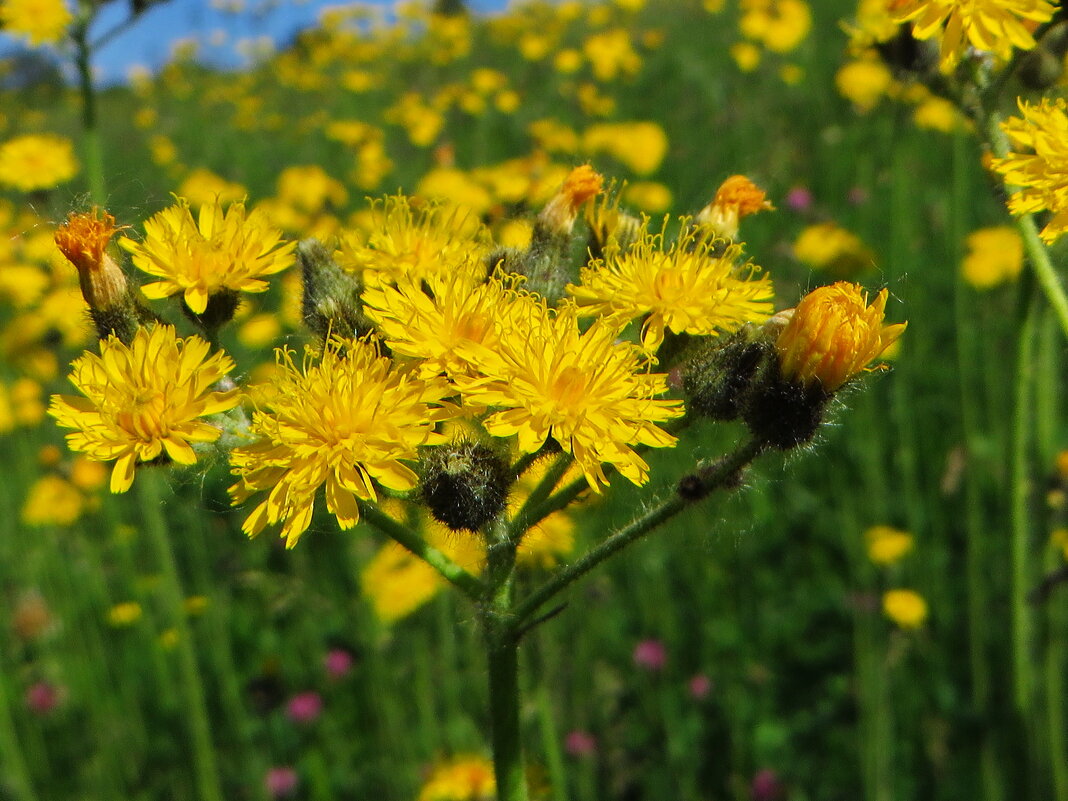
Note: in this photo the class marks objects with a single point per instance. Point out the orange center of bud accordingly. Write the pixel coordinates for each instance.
(739, 193)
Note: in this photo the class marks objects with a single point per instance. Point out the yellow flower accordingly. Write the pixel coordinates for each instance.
(218, 253)
(939, 114)
(833, 335)
(466, 778)
(1041, 174)
(831, 248)
(36, 161)
(610, 54)
(403, 240)
(124, 614)
(746, 55)
(202, 187)
(144, 400)
(906, 608)
(781, 25)
(995, 255)
(586, 390)
(648, 196)
(39, 21)
(887, 545)
(687, 288)
(344, 422)
(52, 501)
(864, 82)
(992, 25)
(640, 146)
(872, 25)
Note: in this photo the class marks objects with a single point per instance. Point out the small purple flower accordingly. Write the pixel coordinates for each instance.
(338, 662)
(700, 686)
(580, 744)
(304, 707)
(650, 655)
(766, 786)
(281, 782)
(42, 697)
(799, 198)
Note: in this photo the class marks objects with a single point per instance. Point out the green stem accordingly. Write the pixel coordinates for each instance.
(524, 517)
(706, 479)
(150, 483)
(1022, 422)
(1037, 253)
(92, 150)
(13, 760)
(550, 745)
(470, 585)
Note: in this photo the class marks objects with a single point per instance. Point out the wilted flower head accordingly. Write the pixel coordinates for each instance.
(737, 197)
(218, 252)
(833, 335)
(83, 239)
(143, 400)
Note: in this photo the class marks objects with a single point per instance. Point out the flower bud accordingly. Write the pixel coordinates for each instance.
(465, 484)
(737, 197)
(331, 301)
(558, 216)
(83, 240)
(718, 377)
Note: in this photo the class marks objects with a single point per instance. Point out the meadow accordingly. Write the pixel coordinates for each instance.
(878, 613)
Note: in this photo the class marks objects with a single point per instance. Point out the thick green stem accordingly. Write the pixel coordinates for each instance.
(205, 772)
(1022, 423)
(91, 145)
(470, 585)
(706, 479)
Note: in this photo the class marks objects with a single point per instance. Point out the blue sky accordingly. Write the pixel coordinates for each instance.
(148, 42)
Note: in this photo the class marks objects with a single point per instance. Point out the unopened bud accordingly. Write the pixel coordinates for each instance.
(718, 377)
(465, 484)
(558, 216)
(331, 303)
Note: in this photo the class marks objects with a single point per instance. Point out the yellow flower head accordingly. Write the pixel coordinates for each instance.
(995, 255)
(995, 26)
(886, 545)
(343, 422)
(52, 501)
(687, 288)
(585, 389)
(833, 335)
(1040, 174)
(905, 607)
(83, 239)
(828, 247)
(737, 197)
(864, 82)
(219, 252)
(39, 21)
(781, 25)
(873, 24)
(144, 400)
(36, 161)
(403, 240)
(467, 778)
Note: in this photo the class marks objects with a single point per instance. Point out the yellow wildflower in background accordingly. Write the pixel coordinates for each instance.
(829, 247)
(466, 778)
(992, 25)
(864, 82)
(219, 252)
(52, 501)
(124, 614)
(36, 161)
(39, 21)
(995, 255)
(586, 390)
(906, 608)
(780, 25)
(833, 335)
(202, 187)
(687, 288)
(1040, 174)
(640, 146)
(887, 545)
(648, 196)
(610, 54)
(344, 422)
(144, 400)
